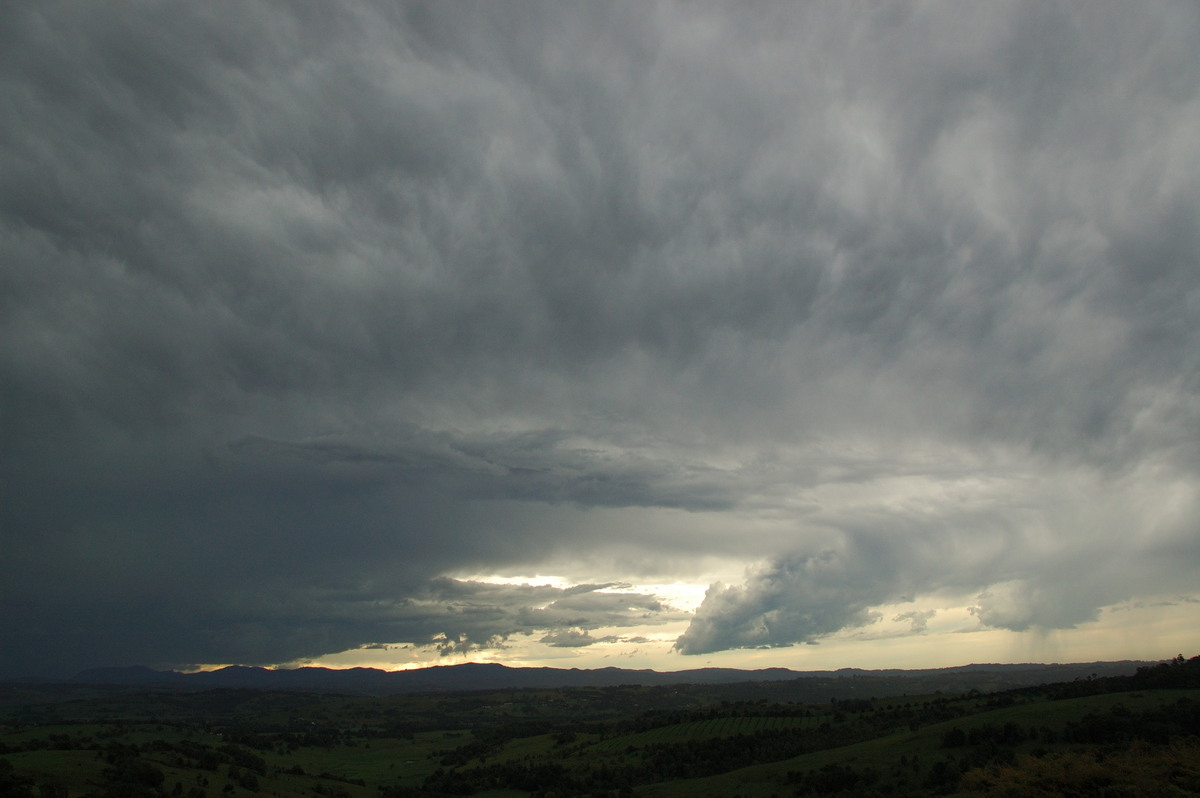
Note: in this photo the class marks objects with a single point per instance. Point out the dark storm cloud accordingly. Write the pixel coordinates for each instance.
(1045, 555)
(459, 616)
(545, 466)
(302, 308)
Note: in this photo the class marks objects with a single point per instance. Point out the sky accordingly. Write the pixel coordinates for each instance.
(642, 334)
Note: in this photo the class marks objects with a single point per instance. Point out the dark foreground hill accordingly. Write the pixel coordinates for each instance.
(456, 678)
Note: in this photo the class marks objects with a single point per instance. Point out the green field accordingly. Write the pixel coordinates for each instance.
(700, 730)
(606, 741)
(923, 745)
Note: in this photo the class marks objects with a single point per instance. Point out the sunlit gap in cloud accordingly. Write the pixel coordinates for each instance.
(683, 596)
(644, 642)
(929, 632)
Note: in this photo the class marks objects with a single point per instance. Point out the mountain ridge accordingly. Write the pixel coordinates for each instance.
(485, 676)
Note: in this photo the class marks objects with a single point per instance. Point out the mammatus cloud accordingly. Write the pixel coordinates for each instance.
(303, 310)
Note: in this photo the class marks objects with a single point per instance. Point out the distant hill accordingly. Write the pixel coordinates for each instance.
(474, 676)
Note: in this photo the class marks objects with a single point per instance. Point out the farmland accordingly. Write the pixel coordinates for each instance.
(1135, 734)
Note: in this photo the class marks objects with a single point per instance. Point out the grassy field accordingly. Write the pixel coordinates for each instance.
(699, 730)
(909, 749)
(595, 741)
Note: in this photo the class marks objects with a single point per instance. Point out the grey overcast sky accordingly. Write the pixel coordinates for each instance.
(638, 333)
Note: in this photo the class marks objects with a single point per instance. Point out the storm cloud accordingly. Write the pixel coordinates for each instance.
(308, 314)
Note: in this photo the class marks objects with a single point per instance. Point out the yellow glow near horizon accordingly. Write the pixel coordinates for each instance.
(952, 636)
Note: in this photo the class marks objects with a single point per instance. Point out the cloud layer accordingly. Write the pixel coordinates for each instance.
(303, 311)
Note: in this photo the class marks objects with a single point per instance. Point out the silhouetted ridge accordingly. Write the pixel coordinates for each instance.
(488, 676)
